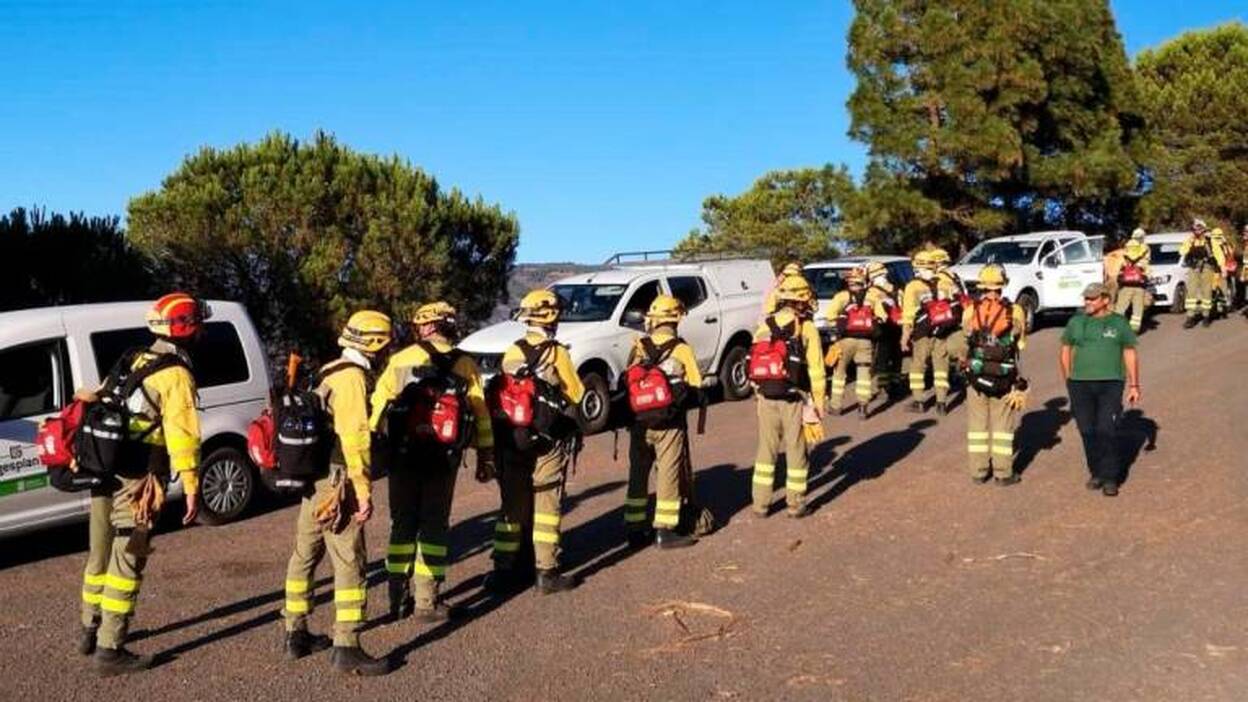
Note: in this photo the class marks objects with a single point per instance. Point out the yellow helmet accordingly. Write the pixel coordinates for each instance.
(665, 310)
(795, 289)
(367, 331)
(923, 259)
(857, 276)
(540, 308)
(1217, 233)
(1138, 234)
(434, 312)
(992, 277)
(939, 257)
(875, 269)
(792, 268)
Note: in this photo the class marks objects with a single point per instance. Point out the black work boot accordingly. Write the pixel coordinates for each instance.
(1109, 489)
(1207, 321)
(401, 601)
(915, 407)
(500, 581)
(980, 479)
(1191, 321)
(551, 581)
(640, 539)
(86, 639)
(798, 512)
(1095, 483)
(666, 538)
(302, 643)
(119, 661)
(436, 614)
(352, 660)
(1008, 480)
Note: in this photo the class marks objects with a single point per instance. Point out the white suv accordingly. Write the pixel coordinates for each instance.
(603, 313)
(1047, 270)
(46, 353)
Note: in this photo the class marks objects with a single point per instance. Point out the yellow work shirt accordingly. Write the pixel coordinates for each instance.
(170, 394)
(344, 390)
(554, 365)
(681, 365)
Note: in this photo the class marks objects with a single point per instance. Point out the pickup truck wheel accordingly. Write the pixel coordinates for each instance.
(226, 486)
(733, 376)
(1179, 304)
(596, 404)
(1027, 300)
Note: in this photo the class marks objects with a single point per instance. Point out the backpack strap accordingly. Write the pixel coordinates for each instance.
(443, 360)
(656, 354)
(533, 353)
(988, 329)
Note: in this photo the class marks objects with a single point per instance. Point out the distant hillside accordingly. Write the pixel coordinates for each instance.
(528, 276)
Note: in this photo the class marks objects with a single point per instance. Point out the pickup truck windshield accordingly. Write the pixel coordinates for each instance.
(588, 303)
(1012, 252)
(1164, 254)
(827, 282)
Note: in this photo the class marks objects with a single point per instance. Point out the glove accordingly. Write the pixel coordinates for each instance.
(485, 466)
(1016, 399)
(147, 500)
(813, 433)
(833, 355)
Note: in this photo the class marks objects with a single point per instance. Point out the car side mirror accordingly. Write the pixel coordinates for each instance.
(633, 319)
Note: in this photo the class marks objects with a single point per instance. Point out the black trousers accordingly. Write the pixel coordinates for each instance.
(1097, 406)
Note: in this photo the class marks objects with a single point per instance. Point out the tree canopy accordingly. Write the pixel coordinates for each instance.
(305, 233)
(787, 215)
(67, 260)
(1195, 93)
(985, 118)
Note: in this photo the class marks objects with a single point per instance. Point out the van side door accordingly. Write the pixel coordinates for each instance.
(703, 323)
(1068, 271)
(35, 383)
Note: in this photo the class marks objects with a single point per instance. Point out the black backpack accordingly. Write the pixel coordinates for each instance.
(107, 443)
(304, 440)
(432, 408)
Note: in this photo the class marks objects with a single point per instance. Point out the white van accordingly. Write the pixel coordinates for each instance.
(827, 278)
(603, 312)
(45, 354)
(1047, 270)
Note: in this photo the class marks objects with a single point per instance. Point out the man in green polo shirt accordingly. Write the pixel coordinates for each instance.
(1098, 360)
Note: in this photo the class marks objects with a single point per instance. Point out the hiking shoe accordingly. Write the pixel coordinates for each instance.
(980, 479)
(551, 581)
(1095, 484)
(302, 643)
(666, 538)
(798, 512)
(352, 660)
(86, 640)
(1109, 489)
(915, 407)
(1008, 481)
(1208, 321)
(436, 614)
(119, 661)
(1191, 322)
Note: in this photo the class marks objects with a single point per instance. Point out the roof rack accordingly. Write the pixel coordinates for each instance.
(636, 258)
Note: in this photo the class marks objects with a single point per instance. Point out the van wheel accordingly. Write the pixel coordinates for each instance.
(226, 486)
(1027, 300)
(1179, 304)
(596, 404)
(733, 375)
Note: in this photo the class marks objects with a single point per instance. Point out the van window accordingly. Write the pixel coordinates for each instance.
(33, 379)
(901, 272)
(827, 282)
(217, 358)
(689, 289)
(1076, 252)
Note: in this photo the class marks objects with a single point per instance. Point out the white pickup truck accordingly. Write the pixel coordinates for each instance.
(603, 313)
(1047, 270)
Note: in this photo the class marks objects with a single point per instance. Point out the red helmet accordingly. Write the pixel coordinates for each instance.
(177, 316)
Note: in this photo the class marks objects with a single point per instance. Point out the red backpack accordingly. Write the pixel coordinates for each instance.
(531, 408)
(55, 437)
(650, 392)
(776, 363)
(1132, 274)
(858, 319)
(260, 441)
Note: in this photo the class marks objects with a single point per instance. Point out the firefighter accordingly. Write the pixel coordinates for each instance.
(1203, 261)
(886, 352)
(660, 439)
(780, 408)
(119, 539)
(856, 333)
(793, 269)
(345, 488)
(1219, 279)
(996, 393)
(424, 462)
(531, 478)
(928, 308)
(1130, 278)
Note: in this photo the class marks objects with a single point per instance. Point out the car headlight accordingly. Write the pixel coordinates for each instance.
(1163, 279)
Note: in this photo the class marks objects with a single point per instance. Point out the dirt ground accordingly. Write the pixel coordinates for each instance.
(907, 583)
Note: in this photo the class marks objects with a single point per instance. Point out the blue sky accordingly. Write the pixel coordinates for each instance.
(602, 125)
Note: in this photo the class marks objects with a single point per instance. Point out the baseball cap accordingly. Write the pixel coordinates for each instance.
(1095, 290)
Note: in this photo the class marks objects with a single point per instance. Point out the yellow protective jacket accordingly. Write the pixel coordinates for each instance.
(1215, 252)
(344, 391)
(919, 291)
(810, 342)
(554, 365)
(399, 371)
(681, 364)
(170, 395)
(873, 297)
